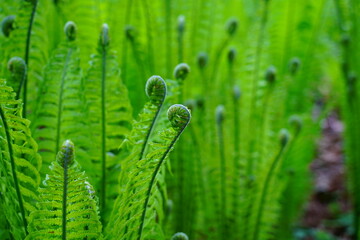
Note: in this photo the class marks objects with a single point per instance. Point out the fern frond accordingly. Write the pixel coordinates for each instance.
(110, 116)
(61, 108)
(29, 41)
(20, 162)
(141, 203)
(67, 206)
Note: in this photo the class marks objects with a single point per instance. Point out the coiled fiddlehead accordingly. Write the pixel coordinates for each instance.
(294, 65)
(104, 36)
(18, 69)
(231, 26)
(156, 89)
(179, 117)
(73, 212)
(179, 236)
(7, 25)
(70, 30)
(202, 60)
(181, 71)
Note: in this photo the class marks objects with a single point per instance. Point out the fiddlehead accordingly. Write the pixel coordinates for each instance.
(181, 71)
(8, 25)
(18, 69)
(67, 208)
(179, 236)
(294, 65)
(70, 31)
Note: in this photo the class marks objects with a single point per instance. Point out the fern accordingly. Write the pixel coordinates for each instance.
(61, 109)
(67, 206)
(20, 163)
(110, 120)
(142, 195)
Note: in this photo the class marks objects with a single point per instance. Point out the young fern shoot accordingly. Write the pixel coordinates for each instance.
(141, 201)
(110, 117)
(67, 207)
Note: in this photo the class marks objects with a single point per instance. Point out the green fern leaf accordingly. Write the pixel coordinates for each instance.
(67, 206)
(20, 163)
(140, 206)
(110, 119)
(61, 109)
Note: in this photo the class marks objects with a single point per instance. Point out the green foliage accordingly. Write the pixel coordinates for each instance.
(245, 69)
(20, 165)
(67, 207)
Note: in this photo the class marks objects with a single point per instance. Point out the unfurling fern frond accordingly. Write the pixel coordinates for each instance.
(67, 206)
(19, 163)
(139, 212)
(135, 145)
(110, 119)
(61, 108)
(18, 69)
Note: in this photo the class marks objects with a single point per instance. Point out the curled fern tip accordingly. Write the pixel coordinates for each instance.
(232, 26)
(155, 88)
(179, 116)
(7, 25)
(220, 112)
(202, 60)
(104, 37)
(70, 30)
(284, 137)
(180, 236)
(17, 65)
(270, 75)
(181, 71)
(66, 154)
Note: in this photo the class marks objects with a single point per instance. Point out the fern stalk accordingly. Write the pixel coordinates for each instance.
(176, 111)
(13, 170)
(284, 138)
(27, 52)
(223, 208)
(66, 159)
(103, 127)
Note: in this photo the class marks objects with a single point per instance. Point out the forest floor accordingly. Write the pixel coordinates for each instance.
(327, 214)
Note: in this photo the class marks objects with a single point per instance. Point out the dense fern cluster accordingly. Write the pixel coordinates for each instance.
(86, 153)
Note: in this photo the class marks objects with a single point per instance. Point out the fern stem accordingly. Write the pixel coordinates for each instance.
(103, 130)
(59, 113)
(64, 201)
(13, 168)
(27, 53)
(148, 134)
(223, 208)
(264, 191)
(153, 178)
(236, 159)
